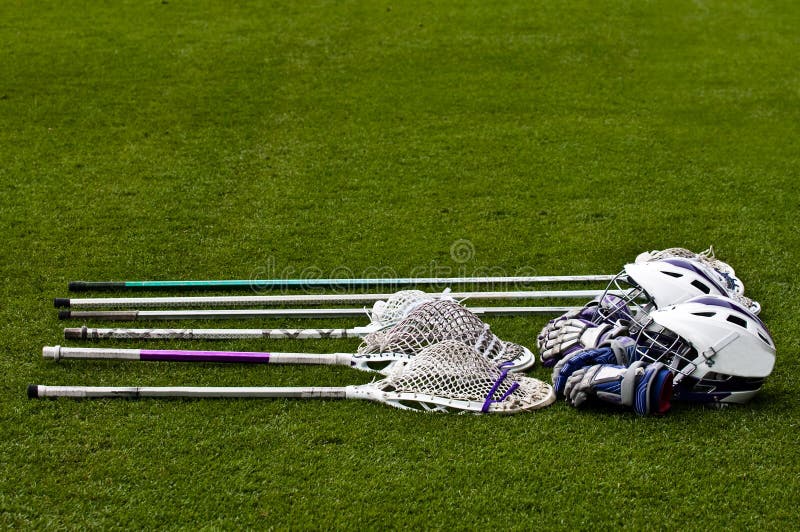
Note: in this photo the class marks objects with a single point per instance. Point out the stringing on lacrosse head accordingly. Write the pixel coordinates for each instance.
(451, 375)
(398, 306)
(444, 319)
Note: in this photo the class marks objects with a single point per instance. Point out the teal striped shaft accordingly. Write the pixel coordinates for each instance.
(328, 283)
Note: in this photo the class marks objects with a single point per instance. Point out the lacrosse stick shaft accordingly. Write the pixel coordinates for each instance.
(177, 355)
(133, 315)
(77, 286)
(86, 333)
(135, 392)
(310, 299)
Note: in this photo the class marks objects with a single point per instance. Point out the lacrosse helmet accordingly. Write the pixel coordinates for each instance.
(719, 351)
(646, 286)
(707, 258)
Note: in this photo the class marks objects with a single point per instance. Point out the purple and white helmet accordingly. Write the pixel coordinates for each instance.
(647, 286)
(719, 351)
(724, 270)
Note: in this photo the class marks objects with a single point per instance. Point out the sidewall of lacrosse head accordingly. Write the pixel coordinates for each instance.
(383, 363)
(431, 403)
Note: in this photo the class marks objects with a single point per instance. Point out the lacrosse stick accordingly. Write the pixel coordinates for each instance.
(383, 314)
(308, 299)
(445, 377)
(429, 323)
(135, 315)
(254, 284)
(90, 333)
(79, 286)
(380, 362)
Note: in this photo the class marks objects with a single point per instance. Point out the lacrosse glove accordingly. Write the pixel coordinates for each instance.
(645, 388)
(575, 334)
(587, 313)
(618, 351)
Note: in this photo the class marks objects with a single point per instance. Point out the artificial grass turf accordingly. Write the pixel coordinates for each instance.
(230, 140)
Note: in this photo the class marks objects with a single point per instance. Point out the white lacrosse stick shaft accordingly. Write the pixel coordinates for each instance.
(133, 315)
(306, 299)
(135, 392)
(367, 362)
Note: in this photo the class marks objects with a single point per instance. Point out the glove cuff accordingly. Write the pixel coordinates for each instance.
(592, 337)
(624, 349)
(654, 390)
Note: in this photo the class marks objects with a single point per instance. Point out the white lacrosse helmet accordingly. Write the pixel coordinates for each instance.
(707, 258)
(719, 351)
(646, 286)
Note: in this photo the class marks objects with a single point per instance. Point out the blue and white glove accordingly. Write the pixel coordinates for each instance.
(617, 351)
(645, 388)
(575, 334)
(606, 308)
(588, 313)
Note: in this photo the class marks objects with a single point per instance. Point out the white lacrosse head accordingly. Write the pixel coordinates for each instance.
(660, 283)
(445, 319)
(452, 376)
(398, 306)
(719, 350)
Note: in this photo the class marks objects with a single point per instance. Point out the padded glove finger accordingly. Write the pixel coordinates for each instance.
(624, 348)
(587, 313)
(578, 387)
(577, 334)
(563, 339)
(568, 365)
(553, 325)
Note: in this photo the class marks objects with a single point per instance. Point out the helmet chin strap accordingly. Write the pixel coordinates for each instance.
(708, 356)
(723, 342)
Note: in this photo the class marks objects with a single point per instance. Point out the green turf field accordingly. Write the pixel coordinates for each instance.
(212, 140)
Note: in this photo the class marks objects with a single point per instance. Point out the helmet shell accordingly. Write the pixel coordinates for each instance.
(674, 280)
(727, 338)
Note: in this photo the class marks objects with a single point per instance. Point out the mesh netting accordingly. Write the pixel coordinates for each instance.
(398, 306)
(454, 370)
(439, 320)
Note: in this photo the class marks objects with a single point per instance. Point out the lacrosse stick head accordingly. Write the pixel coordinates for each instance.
(656, 284)
(719, 351)
(445, 319)
(451, 376)
(395, 308)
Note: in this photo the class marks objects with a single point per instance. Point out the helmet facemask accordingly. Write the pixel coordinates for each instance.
(623, 300)
(656, 343)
